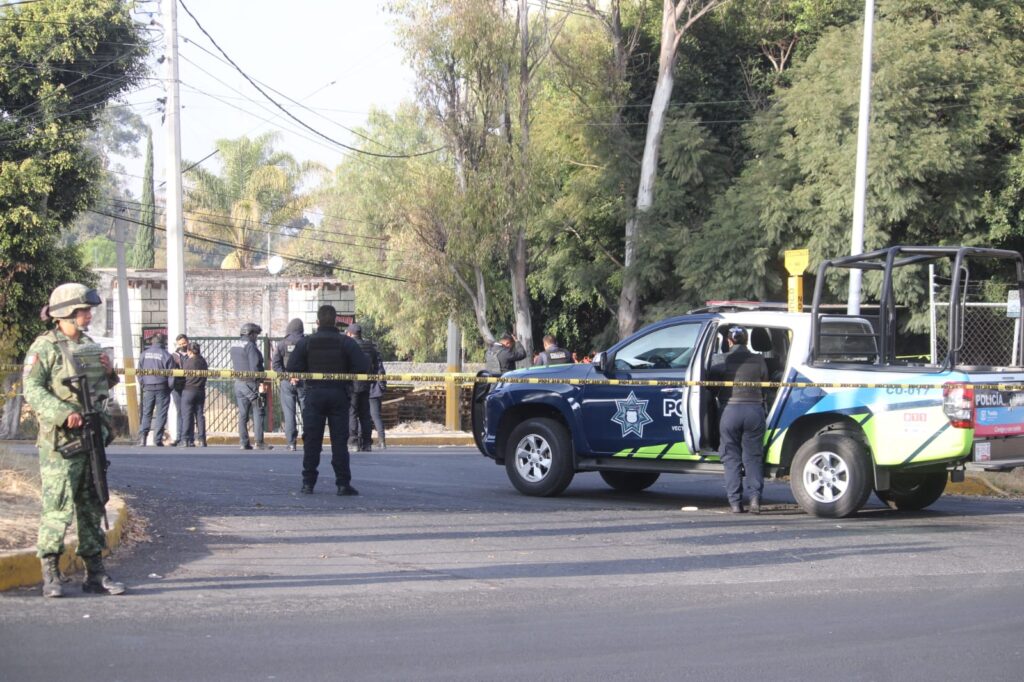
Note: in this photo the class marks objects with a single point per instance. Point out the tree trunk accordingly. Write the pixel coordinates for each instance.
(478, 299)
(629, 301)
(671, 31)
(518, 253)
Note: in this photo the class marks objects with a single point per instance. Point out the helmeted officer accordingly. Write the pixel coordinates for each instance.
(553, 354)
(246, 357)
(328, 351)
(293, 391)
(66, 472)
(742, 422)
(503, 354)
(359, 413)
(156, 390)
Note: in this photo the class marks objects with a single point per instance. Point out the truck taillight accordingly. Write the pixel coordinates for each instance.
(958, 404)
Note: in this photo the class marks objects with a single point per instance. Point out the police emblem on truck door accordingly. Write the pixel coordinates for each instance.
(631, 415)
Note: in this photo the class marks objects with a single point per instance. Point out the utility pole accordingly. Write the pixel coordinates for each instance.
(860, 182)
(127, 346)
(175, 228)
(452, 389)
(175, 225)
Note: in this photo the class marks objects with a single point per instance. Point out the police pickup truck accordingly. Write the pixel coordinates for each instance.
(901, 426)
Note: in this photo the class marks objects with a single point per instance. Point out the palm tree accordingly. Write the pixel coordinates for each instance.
(257, 190)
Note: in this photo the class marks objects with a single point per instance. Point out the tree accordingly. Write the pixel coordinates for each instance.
(257, 190)
(61, 62)
(678, 16)
(144, 250)
(947, 116)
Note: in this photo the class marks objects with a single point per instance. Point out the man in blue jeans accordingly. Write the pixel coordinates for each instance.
(293, 391)
(156, 390)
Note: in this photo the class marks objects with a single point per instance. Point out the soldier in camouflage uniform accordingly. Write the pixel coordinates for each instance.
(62, 352)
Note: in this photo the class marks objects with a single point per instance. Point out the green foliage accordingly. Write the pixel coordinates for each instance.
(61, 62)
(98, 252)
(944, 154)
(143, 252)
(257, 187)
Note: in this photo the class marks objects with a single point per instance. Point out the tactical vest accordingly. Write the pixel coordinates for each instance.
(558, 356)
(239, 357)
(370, 351)
(288, 346)
(324, 353)
(491, 358)
(80, 358)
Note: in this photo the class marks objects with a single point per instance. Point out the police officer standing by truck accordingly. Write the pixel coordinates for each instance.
(249, 393)
(65, 470)
(156, 390)
(553, 354)
(742, 423)
(327, 351)
(293, 392)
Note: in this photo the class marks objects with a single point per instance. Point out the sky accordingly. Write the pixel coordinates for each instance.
(337, 57)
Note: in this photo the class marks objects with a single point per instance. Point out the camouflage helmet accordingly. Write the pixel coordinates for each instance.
(67, 298)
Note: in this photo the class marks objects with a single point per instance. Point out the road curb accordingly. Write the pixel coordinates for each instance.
(20, 567)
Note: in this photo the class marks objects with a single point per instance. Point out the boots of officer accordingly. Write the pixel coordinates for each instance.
(96, 578)
(52, 579)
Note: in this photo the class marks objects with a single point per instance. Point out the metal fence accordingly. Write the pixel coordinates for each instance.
(990, 336)
(221, 409)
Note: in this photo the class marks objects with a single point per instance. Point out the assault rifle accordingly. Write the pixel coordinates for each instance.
(91, 441)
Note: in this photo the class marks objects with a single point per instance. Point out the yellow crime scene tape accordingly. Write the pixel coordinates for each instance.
(467, 378)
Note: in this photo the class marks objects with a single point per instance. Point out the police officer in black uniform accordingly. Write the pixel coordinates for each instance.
(329, 351)
(553, 354)
(249, 393)
(503, 355)
(293, 392)
(360, 421)
(156, 390)
(742, 422)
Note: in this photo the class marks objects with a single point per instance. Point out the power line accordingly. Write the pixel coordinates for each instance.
(250, 249)
(290, 114)
(205, 219)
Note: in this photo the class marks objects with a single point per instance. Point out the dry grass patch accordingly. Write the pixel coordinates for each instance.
(19, 508)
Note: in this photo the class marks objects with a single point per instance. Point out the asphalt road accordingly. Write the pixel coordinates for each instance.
(441, 571)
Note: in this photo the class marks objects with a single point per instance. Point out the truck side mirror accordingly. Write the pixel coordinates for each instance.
(599, 362)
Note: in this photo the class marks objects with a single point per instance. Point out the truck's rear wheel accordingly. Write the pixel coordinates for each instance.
(538, 458)
(913, 491)
(629, 481)
(831, 476)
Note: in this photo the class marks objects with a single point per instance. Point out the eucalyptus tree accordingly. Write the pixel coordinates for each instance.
(678, 17)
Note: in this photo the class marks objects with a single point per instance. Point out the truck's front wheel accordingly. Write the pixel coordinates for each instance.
(538, 458)
(831, 476)
(913, 492)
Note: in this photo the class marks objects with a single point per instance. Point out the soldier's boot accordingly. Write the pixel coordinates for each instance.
(96, 579)
(52, 578)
